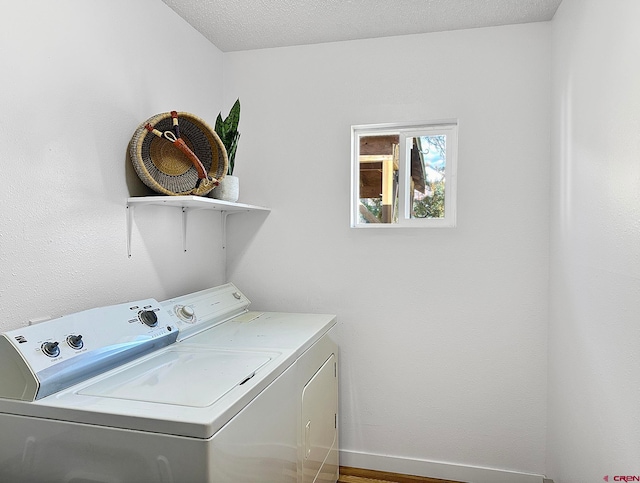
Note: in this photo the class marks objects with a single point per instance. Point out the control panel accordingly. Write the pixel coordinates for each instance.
(57, 353)
(195, 312)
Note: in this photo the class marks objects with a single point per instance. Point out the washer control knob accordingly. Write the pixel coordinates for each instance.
(148, 317)
(51, 349)
(75, 341)
(237, 295)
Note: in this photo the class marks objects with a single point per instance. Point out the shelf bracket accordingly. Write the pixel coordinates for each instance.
(184, 229)
(223, 235)
(129, 225)
(223, 219)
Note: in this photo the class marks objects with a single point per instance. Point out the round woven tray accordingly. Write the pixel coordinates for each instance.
(167, 170)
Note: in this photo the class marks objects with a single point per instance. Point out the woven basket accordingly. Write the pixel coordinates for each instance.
(167, 170)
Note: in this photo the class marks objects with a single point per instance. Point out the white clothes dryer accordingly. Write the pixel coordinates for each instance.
(193, 389)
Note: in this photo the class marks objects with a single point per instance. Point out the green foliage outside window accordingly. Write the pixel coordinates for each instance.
(431, 206)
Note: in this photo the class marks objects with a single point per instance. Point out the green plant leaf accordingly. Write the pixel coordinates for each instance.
(231, 153)
(227, 130)
(233, 119)
(220, 128)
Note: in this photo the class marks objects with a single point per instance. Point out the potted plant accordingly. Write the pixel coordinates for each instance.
(227, 130)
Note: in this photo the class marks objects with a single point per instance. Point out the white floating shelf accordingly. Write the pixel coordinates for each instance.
(186, 203)
(198, 202)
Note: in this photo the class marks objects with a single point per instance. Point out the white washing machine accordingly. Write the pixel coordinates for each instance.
(193, 389)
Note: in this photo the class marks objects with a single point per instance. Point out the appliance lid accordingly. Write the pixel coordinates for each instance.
(181, 376)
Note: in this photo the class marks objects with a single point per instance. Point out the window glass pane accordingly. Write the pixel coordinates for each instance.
(378, 171)
(428, 182)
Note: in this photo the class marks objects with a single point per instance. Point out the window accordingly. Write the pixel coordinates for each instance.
(404, 175)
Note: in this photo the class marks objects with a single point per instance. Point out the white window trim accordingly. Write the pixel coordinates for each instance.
(448, 127)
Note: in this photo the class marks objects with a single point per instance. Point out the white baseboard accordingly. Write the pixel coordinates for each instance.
(434, 469)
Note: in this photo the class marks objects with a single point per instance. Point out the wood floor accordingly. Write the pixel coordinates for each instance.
(358, 475)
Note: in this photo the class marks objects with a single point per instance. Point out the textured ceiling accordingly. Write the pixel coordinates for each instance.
(256, 24)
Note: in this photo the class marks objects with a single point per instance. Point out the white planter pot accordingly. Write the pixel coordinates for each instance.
(227, 190)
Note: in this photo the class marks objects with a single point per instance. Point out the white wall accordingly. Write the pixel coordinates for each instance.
(77, 79)
(594, 381)
(443, 332)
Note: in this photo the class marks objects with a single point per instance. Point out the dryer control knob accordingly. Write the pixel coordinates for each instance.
(148, 317)
(185, 312)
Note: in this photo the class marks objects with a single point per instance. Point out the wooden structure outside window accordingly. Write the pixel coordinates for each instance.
(378, 167)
